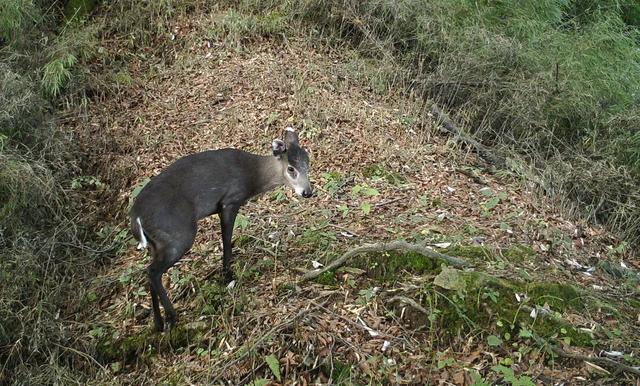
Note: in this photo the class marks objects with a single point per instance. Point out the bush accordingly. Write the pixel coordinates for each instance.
(51, 244)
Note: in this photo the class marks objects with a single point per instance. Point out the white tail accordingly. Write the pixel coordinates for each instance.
(143, 239)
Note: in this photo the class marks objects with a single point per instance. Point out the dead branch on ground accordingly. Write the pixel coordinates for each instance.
(384, 247)
(452, 128)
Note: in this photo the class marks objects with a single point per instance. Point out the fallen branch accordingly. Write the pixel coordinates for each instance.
(619, 367)
(451, 127)
(384, 247)
(607, 362)
(410, 302)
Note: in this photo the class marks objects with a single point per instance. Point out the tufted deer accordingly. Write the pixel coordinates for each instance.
(164, 216)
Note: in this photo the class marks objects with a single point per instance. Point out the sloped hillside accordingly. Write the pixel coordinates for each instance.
(537, 292)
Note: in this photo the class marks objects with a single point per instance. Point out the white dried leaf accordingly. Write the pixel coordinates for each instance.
(614, 354)
(370, 330)
(316, 264)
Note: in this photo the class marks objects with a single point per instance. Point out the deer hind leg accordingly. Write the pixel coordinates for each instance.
(152, 273)
(164, 258)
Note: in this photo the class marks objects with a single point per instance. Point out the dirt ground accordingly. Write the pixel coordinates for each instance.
(382, 171)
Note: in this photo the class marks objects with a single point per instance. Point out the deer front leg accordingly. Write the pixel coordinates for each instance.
(227, 219)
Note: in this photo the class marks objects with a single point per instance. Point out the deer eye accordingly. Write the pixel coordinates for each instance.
(290, 169)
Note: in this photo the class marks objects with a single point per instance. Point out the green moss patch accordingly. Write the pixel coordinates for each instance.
(147, 343)
(390, 266)
(519, 253)
(470, 252)
(327, 278)
(560, 297)
(460, 302)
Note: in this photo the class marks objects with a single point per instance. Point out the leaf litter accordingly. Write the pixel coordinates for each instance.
(214, 96)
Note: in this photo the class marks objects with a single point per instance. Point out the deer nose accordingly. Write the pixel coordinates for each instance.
(307, 193)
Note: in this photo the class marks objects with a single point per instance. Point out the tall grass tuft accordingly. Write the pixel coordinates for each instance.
(57, 73)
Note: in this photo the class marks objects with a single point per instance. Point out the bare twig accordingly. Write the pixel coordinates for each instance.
(409, 302)
(384, 247)
(607, 362)
(82, 354)
(344, 229)
(383, 203)
(477, 179)
(599, 360)
(451, 127)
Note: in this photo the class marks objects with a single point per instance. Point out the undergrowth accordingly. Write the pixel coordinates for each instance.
(50, 238)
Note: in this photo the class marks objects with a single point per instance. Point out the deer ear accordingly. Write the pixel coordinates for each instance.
(278, 147)
(290, 136)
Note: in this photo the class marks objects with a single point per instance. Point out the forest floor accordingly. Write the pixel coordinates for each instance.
(537, 282)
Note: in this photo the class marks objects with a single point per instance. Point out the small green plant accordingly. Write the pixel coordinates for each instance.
(202, 352)
(274, 366)
(364, 190)
(378, 172)
(491, 203)
(318, 236)
(97, 332)
(179, 278)
(242, 222)
(365, 207)
(331, 181)
(366, 295)
(494, 341)
(509, 376)
(478, 380)
(86, 182)
(491, 295)
(278, 195)
(443, 360)
(344, 210)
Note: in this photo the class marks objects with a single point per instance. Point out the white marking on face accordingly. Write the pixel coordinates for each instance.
(291, 129)
(296, 183)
